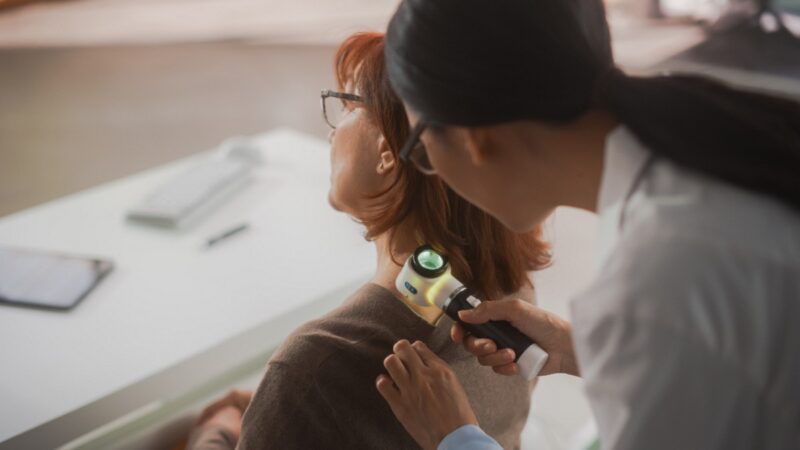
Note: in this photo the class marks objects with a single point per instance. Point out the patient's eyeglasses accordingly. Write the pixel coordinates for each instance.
(414, 150)
(335, 109)
(334, 106)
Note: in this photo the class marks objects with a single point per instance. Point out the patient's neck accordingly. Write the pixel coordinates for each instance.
(387, 270)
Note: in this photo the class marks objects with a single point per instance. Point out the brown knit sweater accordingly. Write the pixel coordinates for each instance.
(319, 389)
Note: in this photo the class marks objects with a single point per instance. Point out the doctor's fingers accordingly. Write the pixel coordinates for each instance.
(507, 369)
(409, 356)
(479, 346)
(397, 371)
(475, 345)
(436, 371)
(429, 359)
(498, 358)
(388, 390)
(457, 333)
(532, 321)
(508, 310)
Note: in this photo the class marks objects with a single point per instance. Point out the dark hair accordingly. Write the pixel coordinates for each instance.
(483, 253)
(477, 62)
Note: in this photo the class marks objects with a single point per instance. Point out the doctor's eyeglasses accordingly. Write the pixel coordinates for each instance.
(414, 150)
(335, 106)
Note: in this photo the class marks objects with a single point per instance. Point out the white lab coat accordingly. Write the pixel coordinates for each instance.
(689, 338)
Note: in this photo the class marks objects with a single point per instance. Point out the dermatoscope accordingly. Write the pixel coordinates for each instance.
(426, 280)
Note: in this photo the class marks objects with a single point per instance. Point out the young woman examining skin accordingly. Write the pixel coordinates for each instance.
(686, 337)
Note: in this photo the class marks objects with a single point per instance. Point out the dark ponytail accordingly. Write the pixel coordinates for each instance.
(477, 62)
(747, 139)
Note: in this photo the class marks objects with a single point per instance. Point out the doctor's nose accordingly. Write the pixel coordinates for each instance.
(330, 135)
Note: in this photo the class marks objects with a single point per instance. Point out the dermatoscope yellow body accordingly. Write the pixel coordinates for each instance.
(426, 280)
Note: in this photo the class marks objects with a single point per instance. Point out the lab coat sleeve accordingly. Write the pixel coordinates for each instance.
(468, 437)
(649, 349)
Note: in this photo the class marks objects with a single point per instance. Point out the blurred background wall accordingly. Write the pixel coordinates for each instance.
(91, 90)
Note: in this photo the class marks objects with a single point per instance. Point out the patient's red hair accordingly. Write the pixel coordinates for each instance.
(483, 253)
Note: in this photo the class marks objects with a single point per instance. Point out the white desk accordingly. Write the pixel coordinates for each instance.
(172, 313)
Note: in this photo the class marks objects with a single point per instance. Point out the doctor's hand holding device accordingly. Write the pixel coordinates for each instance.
(426, 280)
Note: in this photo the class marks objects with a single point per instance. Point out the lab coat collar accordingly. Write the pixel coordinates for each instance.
(625, 156)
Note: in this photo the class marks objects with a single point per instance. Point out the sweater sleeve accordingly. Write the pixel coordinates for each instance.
(289, 411)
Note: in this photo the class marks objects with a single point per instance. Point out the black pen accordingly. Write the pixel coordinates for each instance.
(224, 235)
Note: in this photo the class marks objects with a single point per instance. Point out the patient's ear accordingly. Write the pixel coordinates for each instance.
(387, 159)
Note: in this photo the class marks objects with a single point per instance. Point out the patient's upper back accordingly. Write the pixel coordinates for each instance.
(328, 366)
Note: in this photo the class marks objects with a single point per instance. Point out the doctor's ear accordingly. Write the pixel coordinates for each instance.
(387, 159)
(477, 142)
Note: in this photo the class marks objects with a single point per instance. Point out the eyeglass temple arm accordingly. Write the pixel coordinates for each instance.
(416, 132)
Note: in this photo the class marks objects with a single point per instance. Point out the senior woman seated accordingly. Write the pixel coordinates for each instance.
(319, 389)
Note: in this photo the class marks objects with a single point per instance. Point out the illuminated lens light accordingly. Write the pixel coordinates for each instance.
(430, 260)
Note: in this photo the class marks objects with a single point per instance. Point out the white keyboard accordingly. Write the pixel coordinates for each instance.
(193, 192)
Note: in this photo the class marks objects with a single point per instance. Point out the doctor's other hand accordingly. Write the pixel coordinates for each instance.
(550, 332)
(424, 394)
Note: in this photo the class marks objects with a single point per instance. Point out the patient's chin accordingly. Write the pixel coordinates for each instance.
(345, 205)
(337, 204)
(333, 202)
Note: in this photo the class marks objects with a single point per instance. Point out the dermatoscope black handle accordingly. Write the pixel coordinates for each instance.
(500, 331)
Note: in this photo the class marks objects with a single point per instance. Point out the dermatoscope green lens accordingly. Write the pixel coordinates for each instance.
(430, 260)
